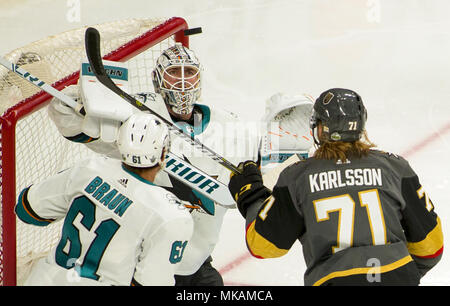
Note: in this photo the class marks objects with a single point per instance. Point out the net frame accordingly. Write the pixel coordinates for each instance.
(27, 108)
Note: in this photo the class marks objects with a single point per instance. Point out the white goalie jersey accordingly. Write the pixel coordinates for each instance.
(118, 228)
(217, 129)
(222, 132)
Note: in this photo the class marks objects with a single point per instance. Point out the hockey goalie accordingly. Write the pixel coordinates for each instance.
(177, 84)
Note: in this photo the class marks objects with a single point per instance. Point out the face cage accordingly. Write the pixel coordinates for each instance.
(182, 94)
(182, 83)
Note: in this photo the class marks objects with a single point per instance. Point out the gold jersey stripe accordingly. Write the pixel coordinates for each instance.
(432, 243)
(365, 270)
(260, 246)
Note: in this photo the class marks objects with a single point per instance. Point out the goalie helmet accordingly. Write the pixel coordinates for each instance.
(176, 78)
(342, 114)
(143, 141)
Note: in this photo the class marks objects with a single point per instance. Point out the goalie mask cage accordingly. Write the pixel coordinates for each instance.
(32, 148)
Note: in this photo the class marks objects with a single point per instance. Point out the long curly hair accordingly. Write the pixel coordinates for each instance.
(340, 150)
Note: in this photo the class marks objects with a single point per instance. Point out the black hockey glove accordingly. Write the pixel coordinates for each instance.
(247, 187)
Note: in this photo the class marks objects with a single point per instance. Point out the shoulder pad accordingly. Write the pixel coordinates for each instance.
(388, 154)
(397, 162)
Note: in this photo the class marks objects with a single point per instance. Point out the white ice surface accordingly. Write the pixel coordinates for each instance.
(395, 54)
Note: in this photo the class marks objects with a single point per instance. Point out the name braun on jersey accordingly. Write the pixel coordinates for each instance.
(112, 199)
(351, 177)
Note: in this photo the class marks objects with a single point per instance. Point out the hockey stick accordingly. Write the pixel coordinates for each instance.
(92, 42)
(176, 167)
(200, 181)
(270, 178)
(44, 86)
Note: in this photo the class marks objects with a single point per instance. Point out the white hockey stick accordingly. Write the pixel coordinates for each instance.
(176, 166)
(44, 86)
(271, 178)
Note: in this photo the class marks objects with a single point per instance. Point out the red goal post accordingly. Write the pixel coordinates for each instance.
(30, 146)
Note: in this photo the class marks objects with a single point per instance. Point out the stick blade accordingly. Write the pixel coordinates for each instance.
(92, 45)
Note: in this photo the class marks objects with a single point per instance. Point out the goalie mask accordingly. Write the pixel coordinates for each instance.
(342, 114)
(176, 78)
(143, 141)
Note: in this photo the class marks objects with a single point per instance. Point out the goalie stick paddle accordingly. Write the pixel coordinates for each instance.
(199, 181)
(92, 43)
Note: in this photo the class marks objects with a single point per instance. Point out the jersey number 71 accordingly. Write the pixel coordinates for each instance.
(345, 206)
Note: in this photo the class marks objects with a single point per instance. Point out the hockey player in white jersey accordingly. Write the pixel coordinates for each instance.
(119, 227)
(177, 83)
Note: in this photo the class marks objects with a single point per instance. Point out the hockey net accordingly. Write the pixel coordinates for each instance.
(30, 145)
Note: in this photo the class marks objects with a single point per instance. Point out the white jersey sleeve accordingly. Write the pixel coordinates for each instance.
(162, 253)
(48, 198)
(204, 238)
(224, 133)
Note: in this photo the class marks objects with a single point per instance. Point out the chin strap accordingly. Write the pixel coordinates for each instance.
(314, 133)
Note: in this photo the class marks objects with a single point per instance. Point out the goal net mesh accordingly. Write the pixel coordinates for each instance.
(37, 147)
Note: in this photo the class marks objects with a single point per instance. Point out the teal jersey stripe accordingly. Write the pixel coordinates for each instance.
(81, 138)
(197, 129)
(26, 214)
(207, 204)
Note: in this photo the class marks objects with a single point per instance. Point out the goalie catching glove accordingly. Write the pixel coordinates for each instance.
(248, 186)
(69, 124)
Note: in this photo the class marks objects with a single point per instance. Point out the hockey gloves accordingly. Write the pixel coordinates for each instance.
(246, 188)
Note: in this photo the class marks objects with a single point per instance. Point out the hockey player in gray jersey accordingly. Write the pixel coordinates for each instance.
(119, 227)
(177, 83)
(362, 216)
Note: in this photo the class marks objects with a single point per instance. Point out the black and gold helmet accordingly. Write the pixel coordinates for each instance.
(342, 114)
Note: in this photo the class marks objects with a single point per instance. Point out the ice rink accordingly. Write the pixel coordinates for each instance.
(395, 54)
